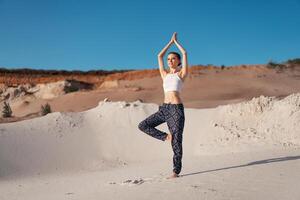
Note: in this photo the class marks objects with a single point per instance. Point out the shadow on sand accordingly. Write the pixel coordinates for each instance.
(260, 162)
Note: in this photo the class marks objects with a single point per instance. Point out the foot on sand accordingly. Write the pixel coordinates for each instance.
(174, 175)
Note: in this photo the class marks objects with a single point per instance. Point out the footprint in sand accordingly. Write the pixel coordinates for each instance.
(133, 182)
(139, 181)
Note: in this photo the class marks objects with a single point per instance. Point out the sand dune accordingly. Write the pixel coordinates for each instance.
(107, 136)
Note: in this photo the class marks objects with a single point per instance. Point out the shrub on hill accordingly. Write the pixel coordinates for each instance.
(7, 112)
(45, 109)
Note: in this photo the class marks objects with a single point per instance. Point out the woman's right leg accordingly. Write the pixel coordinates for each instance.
(176, 125)
(148, 125)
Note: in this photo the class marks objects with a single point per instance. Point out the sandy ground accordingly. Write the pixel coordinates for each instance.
(247, 150)
(269, 174)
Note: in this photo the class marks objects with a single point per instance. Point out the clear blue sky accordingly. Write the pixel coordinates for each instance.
(110, 34)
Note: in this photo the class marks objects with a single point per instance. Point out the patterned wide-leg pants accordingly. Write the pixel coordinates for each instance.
(173, 114)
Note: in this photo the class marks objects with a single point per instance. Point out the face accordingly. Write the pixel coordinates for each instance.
(173, 61)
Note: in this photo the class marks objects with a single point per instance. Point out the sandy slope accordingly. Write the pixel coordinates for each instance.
(248, 150)
(205, 88)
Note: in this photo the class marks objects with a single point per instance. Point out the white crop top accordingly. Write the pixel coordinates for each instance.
(172, 82)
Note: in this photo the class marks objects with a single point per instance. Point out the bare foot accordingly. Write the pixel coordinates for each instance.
(174, 175)
(169, 137)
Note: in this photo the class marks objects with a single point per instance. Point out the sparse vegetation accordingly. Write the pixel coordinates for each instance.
(45, 109)
(295, 61)
(42, 72)
(7, 112)
(222, 67)
(291, 64)
(273, 65)
(14, 77)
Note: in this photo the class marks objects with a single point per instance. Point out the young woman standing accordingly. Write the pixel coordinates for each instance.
(172, 109)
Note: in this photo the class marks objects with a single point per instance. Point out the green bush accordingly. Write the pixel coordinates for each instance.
(274, 65)
(7, 112)
(294, 61)
(45, 109)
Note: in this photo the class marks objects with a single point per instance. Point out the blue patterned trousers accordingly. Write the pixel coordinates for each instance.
(173, 114)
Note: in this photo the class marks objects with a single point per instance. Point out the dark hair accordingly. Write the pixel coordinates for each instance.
(177, 54)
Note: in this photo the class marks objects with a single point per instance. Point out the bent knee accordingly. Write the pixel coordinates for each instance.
(142, 125)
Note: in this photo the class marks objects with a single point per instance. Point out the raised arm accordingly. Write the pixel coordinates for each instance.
(184, 70)
(160, 56)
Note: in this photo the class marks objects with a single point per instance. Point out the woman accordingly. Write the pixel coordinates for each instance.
(172, 110)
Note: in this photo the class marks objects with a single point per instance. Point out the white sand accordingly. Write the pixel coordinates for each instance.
(248, 150)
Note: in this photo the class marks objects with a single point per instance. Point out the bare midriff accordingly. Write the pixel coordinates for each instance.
(172, 97)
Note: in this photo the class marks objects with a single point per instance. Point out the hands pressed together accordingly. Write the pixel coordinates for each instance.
(174, 37)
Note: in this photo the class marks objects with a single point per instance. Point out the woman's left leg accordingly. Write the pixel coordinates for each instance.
(148, 125)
